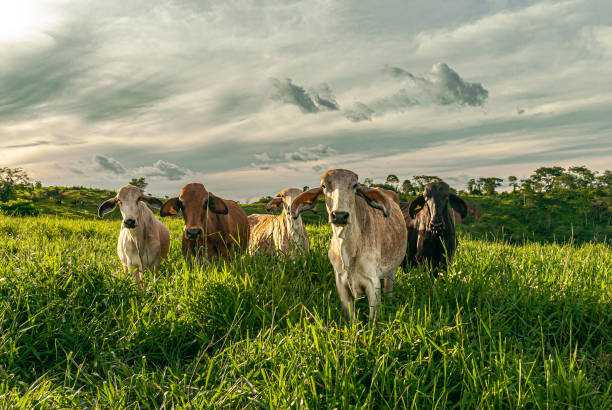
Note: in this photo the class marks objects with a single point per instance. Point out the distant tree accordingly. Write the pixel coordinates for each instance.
(368, 182)
(513, 182)
(11, 178)
(408, 188)
(545, 177)
(527, 185)
(605, 179)
(471, 185)
(139, 182)
(38, 184)
(489, 184)
(584, 177)
(305, 188)
(423, 180)
(567, 181)
(392, 179)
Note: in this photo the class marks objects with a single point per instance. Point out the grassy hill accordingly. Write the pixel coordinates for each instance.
(511, 326)
(569, 215)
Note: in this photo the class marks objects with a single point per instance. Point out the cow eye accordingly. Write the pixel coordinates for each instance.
(323, 186)
(355, 186)
(139, 199)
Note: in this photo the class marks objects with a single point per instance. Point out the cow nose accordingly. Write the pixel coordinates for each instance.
(436, 226)
(129, 223)
(194, 233)
(339, 217)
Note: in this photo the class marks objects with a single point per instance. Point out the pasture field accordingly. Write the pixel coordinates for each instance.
(511, 326)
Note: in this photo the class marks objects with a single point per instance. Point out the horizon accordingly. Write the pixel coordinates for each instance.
(250, 99)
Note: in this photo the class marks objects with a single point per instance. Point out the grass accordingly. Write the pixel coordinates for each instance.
(511, 326)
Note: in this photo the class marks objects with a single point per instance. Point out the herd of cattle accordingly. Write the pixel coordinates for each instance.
(373, 232)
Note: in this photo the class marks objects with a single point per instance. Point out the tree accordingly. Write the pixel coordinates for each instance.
(139, 182)
(9, 179)
(605, 179)
(305, 188)
(544, 177)
(408, 188)
(423, 180)
(513, 182)
(489, 184)
(368, 182)
(583, 176)
(567, 181)
(392, 179)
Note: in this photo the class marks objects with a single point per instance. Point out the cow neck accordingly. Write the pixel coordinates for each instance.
(292, 226)
(347, 238)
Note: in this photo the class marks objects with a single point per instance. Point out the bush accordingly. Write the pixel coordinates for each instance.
(19, 207)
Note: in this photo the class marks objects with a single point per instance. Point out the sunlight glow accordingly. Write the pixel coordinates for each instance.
(24, 19)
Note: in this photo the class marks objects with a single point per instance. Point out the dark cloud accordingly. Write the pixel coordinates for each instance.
(28, 145)
(324, 97)
(398, 102)
(109, 164)
(444, 86)
(310, 153)
(289, 93)
(164, 170)
(312, 101)
(359, 112)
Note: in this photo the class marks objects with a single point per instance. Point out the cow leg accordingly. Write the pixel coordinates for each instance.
(389, 282)
(346, 298)
(373, 291)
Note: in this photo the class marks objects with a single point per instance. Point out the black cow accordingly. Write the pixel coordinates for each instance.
(431, 232)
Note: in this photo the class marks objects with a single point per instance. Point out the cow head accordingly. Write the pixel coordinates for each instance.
(131, 201)
(284, 199)
(341, 189)
(435, 199)
(195, 202)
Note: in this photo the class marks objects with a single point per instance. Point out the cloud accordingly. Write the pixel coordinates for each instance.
(164, 170)
(315, 100)
(109, 164)
(262, 157)
(289, 93)
(359, 112)
(398, 102)
(444, 86)
(310, 153)
(324, 97)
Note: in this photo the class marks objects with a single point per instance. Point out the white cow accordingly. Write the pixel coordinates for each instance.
(143, 240)
(278, 232)
(369, 236)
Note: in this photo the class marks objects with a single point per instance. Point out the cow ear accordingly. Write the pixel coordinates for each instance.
(306, 201)
(106, 207)
(274, 203)
(151, 200)
(375, 198)
(458, 205)
(216, 205)
(416, 205)
(171, 207)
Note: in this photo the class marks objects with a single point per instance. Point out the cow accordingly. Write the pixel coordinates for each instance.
(213, 226)
(431, 232)
(368, 237)
(278, 232)
(143, 239)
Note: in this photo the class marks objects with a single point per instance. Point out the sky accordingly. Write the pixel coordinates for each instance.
(250, 97)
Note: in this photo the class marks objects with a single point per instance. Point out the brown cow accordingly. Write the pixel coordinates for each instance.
(368, 236)
(278, 232)
(431, 232)
(213, 226)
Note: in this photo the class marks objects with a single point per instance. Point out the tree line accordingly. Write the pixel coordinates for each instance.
(543, 179)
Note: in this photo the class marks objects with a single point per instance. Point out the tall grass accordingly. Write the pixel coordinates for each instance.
(510, 326)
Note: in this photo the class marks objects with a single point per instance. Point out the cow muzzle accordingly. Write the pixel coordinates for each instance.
(130, 223)
(339, 217)
(436, 227)
(193, 233)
